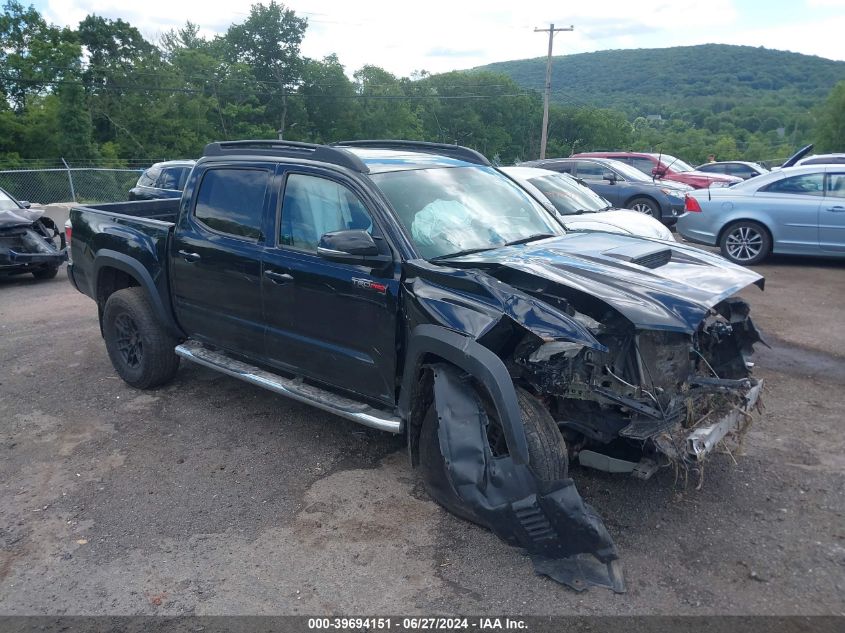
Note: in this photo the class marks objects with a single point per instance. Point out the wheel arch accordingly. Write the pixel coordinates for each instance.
(115, 271)
(432, 343)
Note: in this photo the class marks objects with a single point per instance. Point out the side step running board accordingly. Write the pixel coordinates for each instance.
(294, 388)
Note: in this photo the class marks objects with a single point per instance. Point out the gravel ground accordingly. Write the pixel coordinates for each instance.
(210, 496)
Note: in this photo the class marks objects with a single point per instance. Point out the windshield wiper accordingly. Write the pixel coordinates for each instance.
(530, 238)
(470, 251)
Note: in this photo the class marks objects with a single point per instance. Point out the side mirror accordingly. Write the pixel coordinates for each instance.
(26, 204)
(657, 172)
(610, 176)
(350, 247)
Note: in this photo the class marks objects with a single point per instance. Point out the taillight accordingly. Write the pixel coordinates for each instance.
(691, 204)
(68, 232)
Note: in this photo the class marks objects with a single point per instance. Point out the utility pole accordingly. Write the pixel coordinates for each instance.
(545, 134)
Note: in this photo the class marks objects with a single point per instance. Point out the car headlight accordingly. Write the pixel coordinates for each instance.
(677, 193)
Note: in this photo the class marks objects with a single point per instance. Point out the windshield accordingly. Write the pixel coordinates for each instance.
(454, 209)
(675, 164)
(567, 196)
(629, 172)
(6, 203)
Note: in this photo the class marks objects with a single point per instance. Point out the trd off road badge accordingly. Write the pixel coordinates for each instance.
(369, 284)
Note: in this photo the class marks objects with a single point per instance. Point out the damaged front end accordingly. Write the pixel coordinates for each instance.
(633, 355)
(653, 393)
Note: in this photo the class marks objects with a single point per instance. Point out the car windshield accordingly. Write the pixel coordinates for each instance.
(452, 210)
(675, 164)
(567, 196)
(6, 203)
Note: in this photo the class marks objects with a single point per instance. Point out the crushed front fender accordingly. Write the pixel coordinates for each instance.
(564, 536)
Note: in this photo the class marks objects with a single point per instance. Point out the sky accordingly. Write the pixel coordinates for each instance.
(442, 35)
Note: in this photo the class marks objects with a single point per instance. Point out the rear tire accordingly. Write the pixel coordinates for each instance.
(48, 272)
(139, 347)
(646, 206)
(745, 243)
(547, 453)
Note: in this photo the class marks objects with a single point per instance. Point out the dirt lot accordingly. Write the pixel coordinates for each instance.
(213, 497)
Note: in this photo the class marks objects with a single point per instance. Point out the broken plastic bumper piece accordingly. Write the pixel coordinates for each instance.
(564, 536)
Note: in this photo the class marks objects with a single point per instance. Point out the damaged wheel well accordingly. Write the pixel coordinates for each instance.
(432, 343)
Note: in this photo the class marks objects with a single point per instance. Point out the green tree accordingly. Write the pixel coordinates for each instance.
(830, 128)
(332, 109)
(268, 42)
(34, 55)
(74, 122)
(385, 111)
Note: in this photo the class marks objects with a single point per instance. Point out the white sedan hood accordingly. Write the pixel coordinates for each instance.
(618, 221)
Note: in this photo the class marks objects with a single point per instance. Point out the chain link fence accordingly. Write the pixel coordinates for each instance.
(73, 184)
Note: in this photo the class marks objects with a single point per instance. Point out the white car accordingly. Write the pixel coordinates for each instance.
(580, 208)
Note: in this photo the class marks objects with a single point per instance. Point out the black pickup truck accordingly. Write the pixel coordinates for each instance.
(414, 288)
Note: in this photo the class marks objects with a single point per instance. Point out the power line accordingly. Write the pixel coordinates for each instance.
(216, 93)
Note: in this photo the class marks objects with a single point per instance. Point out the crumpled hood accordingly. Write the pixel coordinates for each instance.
(675, 295)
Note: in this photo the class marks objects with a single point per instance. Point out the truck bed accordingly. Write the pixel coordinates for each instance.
(161, 210)
(124, 238)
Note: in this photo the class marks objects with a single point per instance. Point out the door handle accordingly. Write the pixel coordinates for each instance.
(190, 257)
(278, 278)
(836, 209)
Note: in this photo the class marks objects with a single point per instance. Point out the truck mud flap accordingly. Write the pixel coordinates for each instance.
(564, 536)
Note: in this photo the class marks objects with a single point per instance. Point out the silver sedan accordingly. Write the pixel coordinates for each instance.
(793, 211)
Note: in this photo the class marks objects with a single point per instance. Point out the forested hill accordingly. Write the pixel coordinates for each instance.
(660, 80)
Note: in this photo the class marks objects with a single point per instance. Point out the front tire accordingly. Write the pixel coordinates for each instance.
(547, 453)
(139, 347)
(646, 206)
(745, 243)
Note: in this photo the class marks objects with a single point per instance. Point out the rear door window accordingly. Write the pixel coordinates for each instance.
(231, 201)
(169, 178)
(645, 165)
(805, 184)
(589, 170)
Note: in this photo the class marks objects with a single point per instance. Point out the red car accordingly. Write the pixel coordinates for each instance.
(666, 167)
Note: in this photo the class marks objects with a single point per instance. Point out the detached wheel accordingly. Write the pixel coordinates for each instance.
(547, 454)
(646, 206)
(48, 272)
(139, 347)
(746, 243)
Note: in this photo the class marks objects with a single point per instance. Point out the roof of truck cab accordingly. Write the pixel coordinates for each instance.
(386, 160)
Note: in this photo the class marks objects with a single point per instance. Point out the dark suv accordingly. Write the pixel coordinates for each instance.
(162, 180)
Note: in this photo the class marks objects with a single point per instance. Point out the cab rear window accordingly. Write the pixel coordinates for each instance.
(231, 201)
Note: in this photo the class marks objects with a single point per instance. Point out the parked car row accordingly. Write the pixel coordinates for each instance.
(665, 167)
(623, 185)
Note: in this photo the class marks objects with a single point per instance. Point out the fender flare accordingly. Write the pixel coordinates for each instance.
(478, 361)
(132, 267)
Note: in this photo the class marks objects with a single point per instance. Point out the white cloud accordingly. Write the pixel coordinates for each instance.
(441, 35)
